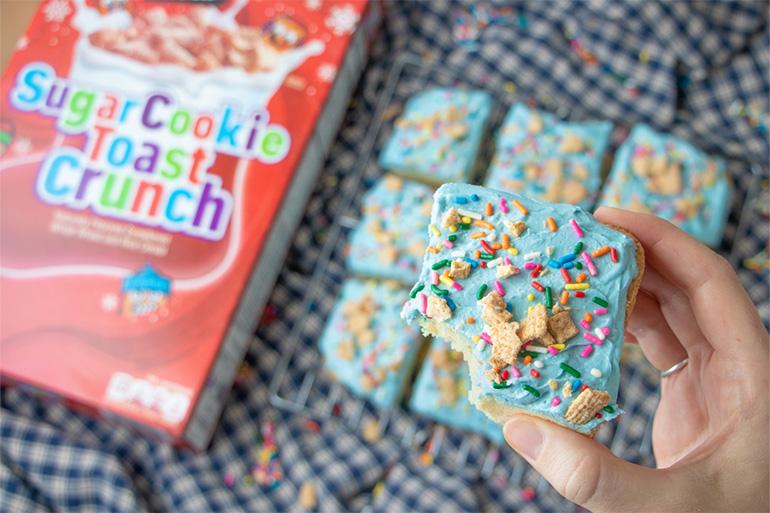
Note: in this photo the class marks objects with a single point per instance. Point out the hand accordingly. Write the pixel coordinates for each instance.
(710, 433)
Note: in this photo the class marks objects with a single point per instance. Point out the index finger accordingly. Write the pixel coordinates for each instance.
(721, 306)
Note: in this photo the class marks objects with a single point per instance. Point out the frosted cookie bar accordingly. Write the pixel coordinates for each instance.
(661, 174)
(365, 344)
(544, 158)
(441, 393)
(390, 238)
(535, 295)
(437, 137)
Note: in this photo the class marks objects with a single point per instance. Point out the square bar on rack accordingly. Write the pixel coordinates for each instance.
(390, 238)
(664, 175)
(441, 393)
(539, 156)
(536, 296)
(437, 137)
(365, 345)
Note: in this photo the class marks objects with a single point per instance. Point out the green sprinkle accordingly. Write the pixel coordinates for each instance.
(438, 291)
(465, 226)
(530, 354)
(599, 301)
(578, 266)
(609, 409)
(495, 384)
(438, 265)
(481, 291)
(452, 238)
(531, 390)
(548, 298)
(486, 256)
(569, 370)
(417, 288)
(578, 248)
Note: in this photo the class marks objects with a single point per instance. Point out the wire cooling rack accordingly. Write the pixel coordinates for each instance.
(308, 392)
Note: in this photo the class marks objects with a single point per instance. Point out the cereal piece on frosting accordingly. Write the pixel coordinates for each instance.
(505, 343)
(535, 326)
(505, 271)
(561, 326)
(438, 309)
(586, 405)
(451, 218)
(459, 269)
(518, 227)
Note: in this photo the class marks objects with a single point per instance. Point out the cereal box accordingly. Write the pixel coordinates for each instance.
(155, 158)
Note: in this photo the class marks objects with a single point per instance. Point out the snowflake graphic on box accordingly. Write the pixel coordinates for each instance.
(56, 10)
(326, 72)
(342, 19)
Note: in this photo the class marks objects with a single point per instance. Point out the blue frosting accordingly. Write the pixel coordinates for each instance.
(390, 238)
(598, 370)
(691, 190)
(365, 345)
(442, 369)
(438, 136)
(532, 158)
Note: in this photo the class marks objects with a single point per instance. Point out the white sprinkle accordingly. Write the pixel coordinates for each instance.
(599, 334)
(596, 373)
(480, 346)
(549, 251)
(468, 213)
(538, 364)
(495, 262)
(458, 254)
(492, 237)
(536, 349)
(545, 272)
(531, 256)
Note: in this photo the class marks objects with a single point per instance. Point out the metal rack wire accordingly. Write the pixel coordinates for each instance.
(318, 398)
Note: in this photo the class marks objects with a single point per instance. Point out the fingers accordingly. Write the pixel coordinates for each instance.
(587, 473)
(721, 306)
(653, 334)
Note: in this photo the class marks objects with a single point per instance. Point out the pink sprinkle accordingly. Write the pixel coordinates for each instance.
(456, 285)
(592, 338)
(506, 261)
(585, 324)
(515, 372)
(586, 352)
(576, 228)
(553, 350)
(485, 337)
(448, 244)
(229, 479)
(606, 331)
(529, 265)
(556, 401)
(423, 303)
(600, 311)
(504, 206)
(499, 288)
(434, 278)
(589, 263)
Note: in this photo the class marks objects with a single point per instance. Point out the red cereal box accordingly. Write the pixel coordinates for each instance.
(155, 159)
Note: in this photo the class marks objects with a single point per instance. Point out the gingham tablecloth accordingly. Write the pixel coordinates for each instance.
(698, 69)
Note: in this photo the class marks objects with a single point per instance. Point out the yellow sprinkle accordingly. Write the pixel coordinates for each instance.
(509, 87)
(446, 280)
(559, 347)
(530, 297)
(513, 251)
(576, 286)
(475, 338)
(434, 230)
(466, 220)
(478, 235)
(431, 249)
(453, 228)
(551, 224)
(484, 224)
(644, 56)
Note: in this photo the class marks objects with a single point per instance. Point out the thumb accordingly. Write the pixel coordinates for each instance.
(587, 473)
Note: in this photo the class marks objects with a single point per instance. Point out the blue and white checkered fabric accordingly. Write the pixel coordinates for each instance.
(680, 66)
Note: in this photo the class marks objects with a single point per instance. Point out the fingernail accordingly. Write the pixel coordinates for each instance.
(524, 436)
